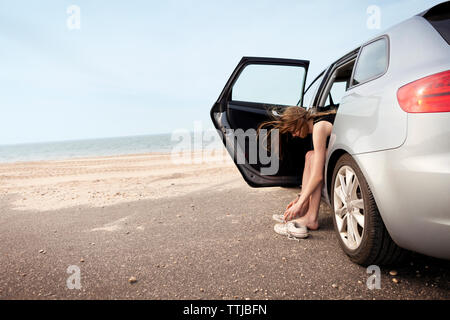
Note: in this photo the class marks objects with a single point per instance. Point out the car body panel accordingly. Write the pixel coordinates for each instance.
(410, 185)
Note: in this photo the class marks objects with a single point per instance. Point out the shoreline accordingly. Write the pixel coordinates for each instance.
(94, 157)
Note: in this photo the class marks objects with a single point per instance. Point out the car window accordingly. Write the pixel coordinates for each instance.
(372, 61)
(308, 98)
(337, 92)
(271, 84)
(439, 18)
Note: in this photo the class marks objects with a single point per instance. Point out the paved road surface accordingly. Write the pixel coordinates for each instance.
(203, 245)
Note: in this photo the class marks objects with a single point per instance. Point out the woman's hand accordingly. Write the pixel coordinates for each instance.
(295, 210)
(293, 202)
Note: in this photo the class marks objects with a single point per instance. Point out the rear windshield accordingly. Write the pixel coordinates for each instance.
(439, 18)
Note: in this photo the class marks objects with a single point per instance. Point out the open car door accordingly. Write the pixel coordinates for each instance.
(258, 90)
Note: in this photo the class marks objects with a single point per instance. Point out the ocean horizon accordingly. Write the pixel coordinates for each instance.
(96, 147)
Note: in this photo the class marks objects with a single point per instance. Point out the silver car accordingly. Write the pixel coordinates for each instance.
(387, 173)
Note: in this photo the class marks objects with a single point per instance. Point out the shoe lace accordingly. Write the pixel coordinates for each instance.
(291, 237)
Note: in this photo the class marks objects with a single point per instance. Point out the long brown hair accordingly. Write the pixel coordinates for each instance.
(292, 119)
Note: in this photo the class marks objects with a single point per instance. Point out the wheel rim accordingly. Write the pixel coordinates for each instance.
(349, 207)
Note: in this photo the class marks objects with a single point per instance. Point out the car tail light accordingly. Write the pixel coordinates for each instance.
(429, 94)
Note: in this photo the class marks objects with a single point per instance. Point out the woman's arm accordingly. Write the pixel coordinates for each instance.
(320, 133)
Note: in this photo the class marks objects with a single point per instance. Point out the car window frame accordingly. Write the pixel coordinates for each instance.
(227, 91)
(352, 55)
(283, 63)
(320, 75)
(384, 36)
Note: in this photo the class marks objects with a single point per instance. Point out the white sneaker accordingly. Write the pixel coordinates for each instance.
(291, 229)
(278, 218)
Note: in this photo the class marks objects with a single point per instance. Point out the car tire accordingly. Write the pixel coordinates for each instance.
(357, 222)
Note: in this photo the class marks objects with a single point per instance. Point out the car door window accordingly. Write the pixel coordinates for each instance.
(337, 92)
(311, 92)
(269, 84)
(372, 61)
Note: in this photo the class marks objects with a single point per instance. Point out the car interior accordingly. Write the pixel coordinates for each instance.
(292, 150)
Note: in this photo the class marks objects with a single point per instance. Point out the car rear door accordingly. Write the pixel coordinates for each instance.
(259, 89)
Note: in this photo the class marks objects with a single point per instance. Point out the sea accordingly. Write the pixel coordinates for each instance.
(60, 150)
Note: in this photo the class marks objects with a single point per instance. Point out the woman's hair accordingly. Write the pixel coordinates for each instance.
(293, 119)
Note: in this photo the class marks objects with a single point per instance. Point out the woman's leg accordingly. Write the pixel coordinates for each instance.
(306, 174)
(312, 215)
(310, 218)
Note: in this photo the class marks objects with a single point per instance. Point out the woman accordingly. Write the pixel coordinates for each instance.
(302, 213)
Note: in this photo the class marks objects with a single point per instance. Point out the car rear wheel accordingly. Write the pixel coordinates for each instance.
(357, 221)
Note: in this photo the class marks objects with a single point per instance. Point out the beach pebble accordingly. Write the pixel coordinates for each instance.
(132, 280)
(202, 290)
(334, 285)
(42, 251)
(81, 260)
(393, 272)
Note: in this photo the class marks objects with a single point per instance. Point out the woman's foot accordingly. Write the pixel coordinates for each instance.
(307, 221)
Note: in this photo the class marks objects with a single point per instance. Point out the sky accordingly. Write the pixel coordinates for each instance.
(148, 67)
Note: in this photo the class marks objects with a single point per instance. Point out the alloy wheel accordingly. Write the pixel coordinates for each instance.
(349, 207)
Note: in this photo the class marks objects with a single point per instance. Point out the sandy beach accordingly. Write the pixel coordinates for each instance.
(181, 231)
(105, 181)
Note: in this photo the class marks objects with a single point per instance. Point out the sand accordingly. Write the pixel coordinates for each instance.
(106, 181)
